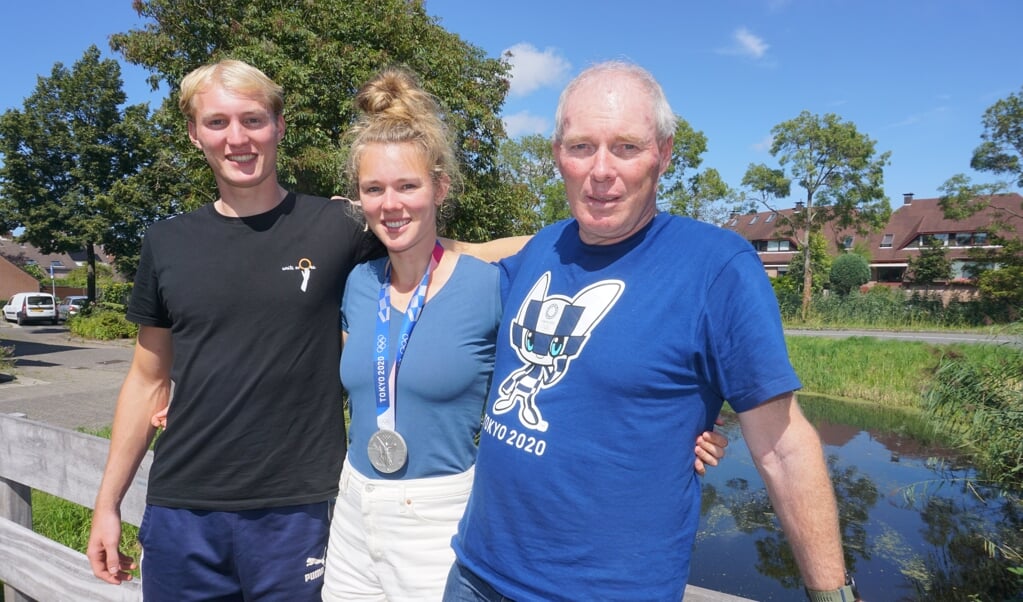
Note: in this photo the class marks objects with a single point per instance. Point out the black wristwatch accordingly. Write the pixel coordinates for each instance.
(846, 593)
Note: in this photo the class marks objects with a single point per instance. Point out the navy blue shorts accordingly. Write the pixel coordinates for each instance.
(266, 554)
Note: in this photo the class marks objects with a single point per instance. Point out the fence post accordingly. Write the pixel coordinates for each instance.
(15, 506)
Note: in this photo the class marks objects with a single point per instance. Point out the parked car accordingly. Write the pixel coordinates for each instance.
(71, 306)
(31, 307)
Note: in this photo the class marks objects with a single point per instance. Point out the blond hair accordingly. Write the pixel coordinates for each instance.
(395, 109)
(236, 77)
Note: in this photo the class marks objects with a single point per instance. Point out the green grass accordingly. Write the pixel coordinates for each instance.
(69, 524)
(884, 372)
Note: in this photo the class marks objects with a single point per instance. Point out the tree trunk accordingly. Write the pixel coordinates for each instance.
(90, 279)
(807, 263)
(807, 280)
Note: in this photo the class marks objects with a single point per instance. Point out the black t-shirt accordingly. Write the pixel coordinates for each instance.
(252, 304)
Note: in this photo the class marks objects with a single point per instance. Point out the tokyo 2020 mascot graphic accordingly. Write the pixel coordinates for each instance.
(547, 333)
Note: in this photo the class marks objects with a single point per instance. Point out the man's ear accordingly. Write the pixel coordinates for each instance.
(192, 135)
(665, 149)
(280, 128)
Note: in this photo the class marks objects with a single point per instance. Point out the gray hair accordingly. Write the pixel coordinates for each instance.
(664, 118)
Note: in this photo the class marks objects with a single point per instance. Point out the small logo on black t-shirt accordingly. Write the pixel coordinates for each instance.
(305, 266)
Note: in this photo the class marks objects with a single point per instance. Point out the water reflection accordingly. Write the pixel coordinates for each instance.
(916, 523)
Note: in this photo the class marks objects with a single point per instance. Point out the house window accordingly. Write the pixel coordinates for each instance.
(770, 218)
(886, 242)
(963, 239)
(57, 263)
(979, 239)
(773, 246)
(31, 262)
(754, 220)
(847, 242)
(890, 274)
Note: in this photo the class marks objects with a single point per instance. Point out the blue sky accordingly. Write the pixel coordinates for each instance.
(914, 75)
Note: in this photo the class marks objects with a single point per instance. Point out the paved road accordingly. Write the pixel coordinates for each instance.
(74, 384)
(61, 381)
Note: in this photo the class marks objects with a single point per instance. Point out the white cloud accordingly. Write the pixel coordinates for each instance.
(764, 145)
(532, 69)
(747, 43)
(524, 123)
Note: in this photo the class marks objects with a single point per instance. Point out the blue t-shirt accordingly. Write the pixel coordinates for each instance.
(444, 375)
(610, 361)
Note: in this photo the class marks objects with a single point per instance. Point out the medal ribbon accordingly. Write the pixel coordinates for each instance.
(386, 377)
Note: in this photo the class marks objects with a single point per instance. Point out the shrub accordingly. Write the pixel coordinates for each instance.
(848, 273)
(979, 402)
(103, 324)
(117, 293)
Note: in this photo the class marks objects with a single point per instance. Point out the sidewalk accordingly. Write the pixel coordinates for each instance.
(60, 381)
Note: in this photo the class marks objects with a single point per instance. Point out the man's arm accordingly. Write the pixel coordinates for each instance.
(491, 251)
(789, 456)
(145, 391)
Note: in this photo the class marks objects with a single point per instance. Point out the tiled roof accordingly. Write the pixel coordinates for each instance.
(24, 254)
(761, 226)
(912, 219)
(925, 216)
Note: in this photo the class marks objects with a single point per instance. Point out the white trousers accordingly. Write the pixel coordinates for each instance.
(391, 540)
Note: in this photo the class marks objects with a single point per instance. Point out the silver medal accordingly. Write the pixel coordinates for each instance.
(387, 451)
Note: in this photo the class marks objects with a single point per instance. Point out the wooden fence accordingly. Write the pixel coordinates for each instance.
(69, 465)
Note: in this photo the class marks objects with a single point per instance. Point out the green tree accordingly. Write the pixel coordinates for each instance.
(1004, 286)
(321, 53)
(820, 266)
(64, 152)
(930, 266)
(79, 277)
(38, 273)
(765, 186)
(528, 162)
(1000, 153)
(1002, 149)
(837, 168)
(961, 198)
(848, 272)
(699, 195)
(160, 189)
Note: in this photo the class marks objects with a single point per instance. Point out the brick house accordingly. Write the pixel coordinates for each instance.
(14, 280)
(14, 255)
(910, 228)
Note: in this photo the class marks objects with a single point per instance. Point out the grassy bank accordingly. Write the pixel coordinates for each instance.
(882, 371)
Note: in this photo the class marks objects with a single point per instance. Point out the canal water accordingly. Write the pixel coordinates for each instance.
(917, 521)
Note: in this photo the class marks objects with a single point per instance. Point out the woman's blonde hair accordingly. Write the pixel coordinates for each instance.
(395, 109)
(236, 77)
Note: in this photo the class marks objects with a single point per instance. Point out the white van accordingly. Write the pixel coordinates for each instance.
(31, 307)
